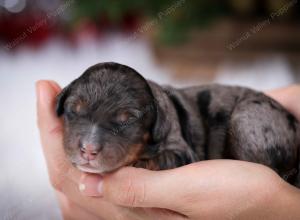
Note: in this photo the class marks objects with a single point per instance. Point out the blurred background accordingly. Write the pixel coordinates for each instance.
(253, 43)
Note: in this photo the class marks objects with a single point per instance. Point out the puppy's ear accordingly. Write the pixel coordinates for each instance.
(60, 100)
(162, 124)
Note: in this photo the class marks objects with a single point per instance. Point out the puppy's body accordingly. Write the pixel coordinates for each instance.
(225, 122)
(114, 117)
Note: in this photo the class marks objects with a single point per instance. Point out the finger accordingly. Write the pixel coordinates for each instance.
(50, 127)
(48, 122)
(133, 187)
(155, 213)
(288, 97)
(71, 210)
(97, 207)
(140, 188)
(88, 181)
(89, 184)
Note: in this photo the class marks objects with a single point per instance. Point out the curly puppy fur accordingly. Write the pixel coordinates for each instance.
(131, 121)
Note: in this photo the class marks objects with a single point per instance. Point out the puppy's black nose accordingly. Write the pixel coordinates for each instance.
(89, 151)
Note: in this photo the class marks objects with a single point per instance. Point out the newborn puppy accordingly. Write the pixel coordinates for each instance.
(113, 117)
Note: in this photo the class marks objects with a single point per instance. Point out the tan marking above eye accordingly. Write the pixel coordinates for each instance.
(123, 116)
(80, 105)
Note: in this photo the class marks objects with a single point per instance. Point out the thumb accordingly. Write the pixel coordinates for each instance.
(51, 130)
(49, 124)
(136, 187)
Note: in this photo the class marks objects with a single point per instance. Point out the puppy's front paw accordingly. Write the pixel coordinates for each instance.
(167, 160)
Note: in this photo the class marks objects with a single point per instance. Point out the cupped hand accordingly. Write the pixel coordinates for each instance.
(217, 189)
(65, 178)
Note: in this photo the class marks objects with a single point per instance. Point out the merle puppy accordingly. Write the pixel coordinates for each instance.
(113, 117)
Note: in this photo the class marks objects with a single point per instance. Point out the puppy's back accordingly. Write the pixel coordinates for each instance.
(239, 123)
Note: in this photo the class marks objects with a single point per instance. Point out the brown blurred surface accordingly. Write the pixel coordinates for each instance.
(200, 56)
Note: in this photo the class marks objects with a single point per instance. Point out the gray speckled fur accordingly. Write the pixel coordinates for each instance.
(254, 127)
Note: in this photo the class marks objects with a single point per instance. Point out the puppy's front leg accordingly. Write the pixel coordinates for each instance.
(168, 159)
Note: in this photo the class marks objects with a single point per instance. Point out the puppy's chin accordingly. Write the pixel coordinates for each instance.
(88, 169)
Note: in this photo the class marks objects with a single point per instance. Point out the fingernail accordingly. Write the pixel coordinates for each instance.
(91, 185)
(81, 187)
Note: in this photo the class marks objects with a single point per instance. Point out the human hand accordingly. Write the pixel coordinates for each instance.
(289, 98)
(64, 177)
(212, 189)
(221, 189)
(216, 189)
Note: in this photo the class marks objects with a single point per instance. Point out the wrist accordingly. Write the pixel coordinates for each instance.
(281, 202)
(270, 199)
(288, 202)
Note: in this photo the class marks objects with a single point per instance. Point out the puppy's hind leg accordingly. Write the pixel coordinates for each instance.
(260, 132)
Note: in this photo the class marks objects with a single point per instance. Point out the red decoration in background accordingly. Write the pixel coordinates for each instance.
(35, 28)
(103, 22)
(89, 29)
(84, 30)
(130, 22)
(22, 28)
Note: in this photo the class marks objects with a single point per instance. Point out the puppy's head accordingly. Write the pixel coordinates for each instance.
(110, 115)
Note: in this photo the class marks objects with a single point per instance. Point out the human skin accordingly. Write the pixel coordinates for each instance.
(216, 189)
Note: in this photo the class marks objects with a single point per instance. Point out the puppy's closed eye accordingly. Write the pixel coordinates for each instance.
(78, 108)
(125, 117)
